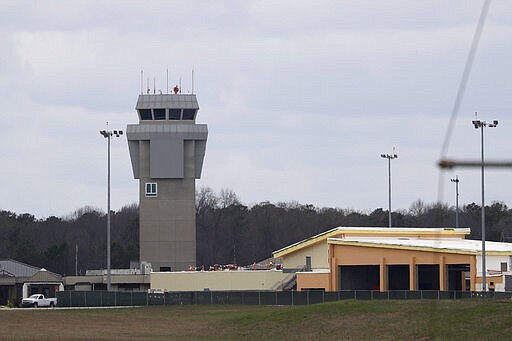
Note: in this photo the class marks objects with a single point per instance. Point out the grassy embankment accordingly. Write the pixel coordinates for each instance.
(356, 320)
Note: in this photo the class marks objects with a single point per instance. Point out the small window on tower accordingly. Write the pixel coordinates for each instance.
(145, 114)
(504, 267)
(174, 114)
(159, 114)
(151, 189)
(188, 114)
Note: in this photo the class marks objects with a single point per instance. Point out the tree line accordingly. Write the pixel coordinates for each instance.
(227, 231)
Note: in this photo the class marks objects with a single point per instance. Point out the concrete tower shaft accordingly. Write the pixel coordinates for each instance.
(167, 149)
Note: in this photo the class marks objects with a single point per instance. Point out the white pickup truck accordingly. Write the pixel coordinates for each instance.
(38, 300)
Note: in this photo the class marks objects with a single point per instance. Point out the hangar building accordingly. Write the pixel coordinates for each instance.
(19, 280)
(370, 258)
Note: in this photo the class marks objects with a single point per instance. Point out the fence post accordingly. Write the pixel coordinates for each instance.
(307, 297)
(259, 297)
(70, 299)
(211, 297)
(323, 296)
(147, 298)
(85, 298)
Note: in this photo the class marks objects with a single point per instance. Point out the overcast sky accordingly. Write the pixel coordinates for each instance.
(300, 97)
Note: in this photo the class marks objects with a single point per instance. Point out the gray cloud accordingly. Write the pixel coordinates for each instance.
(300, 97)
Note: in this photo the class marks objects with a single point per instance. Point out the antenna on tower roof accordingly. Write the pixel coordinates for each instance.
(147, 84)
(154, 86)
(141, 81)
(192, 80)
(167, 80)
(180, 85)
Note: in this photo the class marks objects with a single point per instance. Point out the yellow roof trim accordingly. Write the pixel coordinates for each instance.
(445, 231)
(417, 248)
(496, 253)
(307, 242)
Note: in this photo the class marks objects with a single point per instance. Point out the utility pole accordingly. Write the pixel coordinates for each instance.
(76, 259)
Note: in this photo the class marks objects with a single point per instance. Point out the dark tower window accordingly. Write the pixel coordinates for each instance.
(174, 114)
(145, 114)
(188, 114)
(159, 114)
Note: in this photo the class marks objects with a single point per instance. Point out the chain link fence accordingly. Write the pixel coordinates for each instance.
(113, 298)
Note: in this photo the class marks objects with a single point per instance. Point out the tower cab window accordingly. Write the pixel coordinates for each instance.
(188, 114)
(151, 189)
(174, 114)
(145, 114)
(159, 114)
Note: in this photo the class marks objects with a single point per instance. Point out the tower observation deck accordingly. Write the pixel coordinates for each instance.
(167, 149)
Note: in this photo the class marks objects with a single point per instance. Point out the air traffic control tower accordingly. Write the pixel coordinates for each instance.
(167, 150)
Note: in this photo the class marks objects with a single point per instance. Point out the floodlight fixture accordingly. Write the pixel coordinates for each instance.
(389, 156)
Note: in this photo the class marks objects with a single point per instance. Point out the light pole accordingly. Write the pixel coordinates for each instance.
(108, 134)
(389, 157)
(481, 125)
(456, 180)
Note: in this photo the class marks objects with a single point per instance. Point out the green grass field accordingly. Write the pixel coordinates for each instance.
(349, 320)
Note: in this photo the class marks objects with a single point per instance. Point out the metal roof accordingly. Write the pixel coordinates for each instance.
(44, 275)
(167, 101)
(450, 245)
(17, 269)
